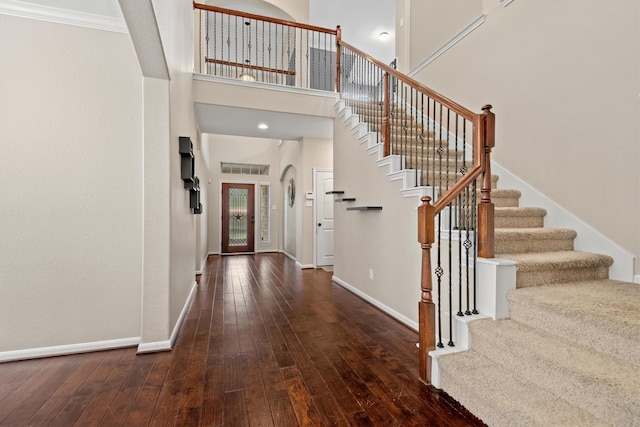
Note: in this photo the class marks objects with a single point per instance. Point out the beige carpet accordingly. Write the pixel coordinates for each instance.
(570, 353)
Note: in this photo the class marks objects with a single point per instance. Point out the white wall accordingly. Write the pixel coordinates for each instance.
(70, 185)
(202, 223)
(361, 22)
(304, 156)
(432, 23)
(383, 241)
(175, 22)
(563, 79)
(299, 10)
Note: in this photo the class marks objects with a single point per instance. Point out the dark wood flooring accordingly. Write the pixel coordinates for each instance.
(263, 344)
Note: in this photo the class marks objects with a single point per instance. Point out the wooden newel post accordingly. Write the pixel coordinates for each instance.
(426, 307)
(385, 117)
(486, 208)
(338, 56)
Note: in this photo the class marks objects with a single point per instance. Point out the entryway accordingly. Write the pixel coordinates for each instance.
(238, 218)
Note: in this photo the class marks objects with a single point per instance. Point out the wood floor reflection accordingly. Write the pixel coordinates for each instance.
(263, 344)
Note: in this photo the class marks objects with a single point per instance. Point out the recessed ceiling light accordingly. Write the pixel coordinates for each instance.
(263, 126)
(383, 36)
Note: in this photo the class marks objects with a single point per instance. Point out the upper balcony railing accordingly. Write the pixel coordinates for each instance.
(258, 48)
(444, 146)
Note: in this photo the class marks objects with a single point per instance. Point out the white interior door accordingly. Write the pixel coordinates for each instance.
(324, 217)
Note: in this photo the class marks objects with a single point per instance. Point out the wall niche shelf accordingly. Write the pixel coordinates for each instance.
(365, 208)
(188, 173)
(346, 199)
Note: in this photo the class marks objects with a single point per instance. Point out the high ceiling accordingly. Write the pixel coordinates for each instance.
(361, 22)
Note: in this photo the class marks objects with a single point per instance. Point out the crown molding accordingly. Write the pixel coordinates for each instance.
(24, 9)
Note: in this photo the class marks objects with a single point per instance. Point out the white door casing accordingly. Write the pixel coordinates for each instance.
(323, 179)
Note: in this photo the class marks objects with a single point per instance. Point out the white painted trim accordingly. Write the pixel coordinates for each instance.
(496, 277)
(391, 312)
(304, 266)
(588, 239)
(266, 86)
(61, 350)
(213, 253)
(168, 345)
(203, 263)
(288, 255)
(155, 346)
(62, 16)
(268, 251)
(448, 45)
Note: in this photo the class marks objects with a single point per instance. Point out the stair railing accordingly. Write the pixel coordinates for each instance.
(252, 47)
(444, 147)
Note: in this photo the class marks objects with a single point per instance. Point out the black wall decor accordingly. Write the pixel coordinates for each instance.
(188, 173)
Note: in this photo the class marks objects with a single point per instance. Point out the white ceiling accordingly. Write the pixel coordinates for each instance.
(244, 122)
(361, 22)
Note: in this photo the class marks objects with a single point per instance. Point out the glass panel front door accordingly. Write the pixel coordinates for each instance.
(238, 218)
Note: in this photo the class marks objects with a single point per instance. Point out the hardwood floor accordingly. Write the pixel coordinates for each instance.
(263, 344)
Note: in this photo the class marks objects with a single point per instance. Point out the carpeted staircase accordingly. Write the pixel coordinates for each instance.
(569, 355)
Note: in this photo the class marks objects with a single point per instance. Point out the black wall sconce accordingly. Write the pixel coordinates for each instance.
(188, 173)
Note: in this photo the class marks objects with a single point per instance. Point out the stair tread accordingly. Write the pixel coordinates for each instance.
(609, 306)
(597, 383)
(499, 397)
(559, 259)
(504, 192)
(519, 211)
(539, 233)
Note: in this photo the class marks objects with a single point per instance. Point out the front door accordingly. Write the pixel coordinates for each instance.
(324, 218)
(238, 218)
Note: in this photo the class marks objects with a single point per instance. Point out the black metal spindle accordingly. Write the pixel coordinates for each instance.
(439, 272)
(460, 214)
(475, 247)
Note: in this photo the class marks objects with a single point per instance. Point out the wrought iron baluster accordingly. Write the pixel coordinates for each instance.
(439, 272)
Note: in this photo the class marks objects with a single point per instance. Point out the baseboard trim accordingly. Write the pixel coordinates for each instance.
(61, 350)
(388, 310)
(152, 347)
(213, 253)
(203, 264)
(448, 45)
(62, 16)
(288, 255)
(304, 266)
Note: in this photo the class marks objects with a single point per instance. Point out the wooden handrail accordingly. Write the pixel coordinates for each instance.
(453, 106)
(251, 67)
(263, 18)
